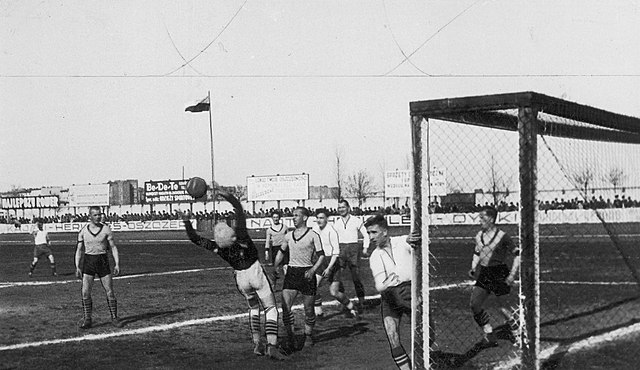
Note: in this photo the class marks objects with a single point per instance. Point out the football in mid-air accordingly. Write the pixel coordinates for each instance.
(197, 187)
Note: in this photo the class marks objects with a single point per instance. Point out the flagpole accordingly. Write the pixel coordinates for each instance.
(213, 181)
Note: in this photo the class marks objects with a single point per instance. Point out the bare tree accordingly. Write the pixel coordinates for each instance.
(239, 191)
(583, 178)
(339, 174)
(499, 182)
(615, 177)
(360, 186)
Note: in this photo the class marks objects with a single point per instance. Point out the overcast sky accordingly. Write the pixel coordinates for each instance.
(93, 91)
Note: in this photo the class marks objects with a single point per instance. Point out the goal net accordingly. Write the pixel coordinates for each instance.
(565, 179)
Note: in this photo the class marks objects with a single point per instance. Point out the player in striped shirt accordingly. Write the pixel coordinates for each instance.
(302, 243)
(236, 247)
(492, 275)
(275, 238)
(327, 272)
(96, 239)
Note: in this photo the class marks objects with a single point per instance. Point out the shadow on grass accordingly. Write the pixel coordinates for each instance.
(556, 358)
(447, 360)
(589, 312)
(141, 317)
(357, 328)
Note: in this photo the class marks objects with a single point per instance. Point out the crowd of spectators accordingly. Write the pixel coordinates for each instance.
(434, 207)
(593, 203)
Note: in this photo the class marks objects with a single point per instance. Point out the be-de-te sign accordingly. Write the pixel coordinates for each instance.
(167, 191)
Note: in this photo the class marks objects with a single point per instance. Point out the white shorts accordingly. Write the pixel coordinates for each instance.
(253, 281)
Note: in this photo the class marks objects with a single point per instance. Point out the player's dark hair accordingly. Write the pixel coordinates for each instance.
(344, 201)
(490, 211)
(304, 210)
(276, 212)
(95, 208)
(324, 211)
(377, 219)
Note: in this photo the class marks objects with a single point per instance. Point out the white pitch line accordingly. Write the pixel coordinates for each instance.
(40, 283)
(151, 329)
(590, 282)
(577, 346)
(176, 325)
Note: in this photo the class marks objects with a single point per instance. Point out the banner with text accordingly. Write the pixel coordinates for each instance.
(89, 195)
(167, 191)
(30, 202)
(398, 184)
(278, 187)
(69, 227)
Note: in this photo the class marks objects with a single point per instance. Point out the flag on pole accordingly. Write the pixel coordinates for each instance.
(202, 106)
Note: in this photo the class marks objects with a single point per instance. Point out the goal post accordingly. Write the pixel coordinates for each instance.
(527, 144)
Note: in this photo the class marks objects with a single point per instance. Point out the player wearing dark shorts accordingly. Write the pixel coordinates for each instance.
(235, 246)
(302, 243)
(348, 228)
(96, 239)
(391, 265)
(329, 271)
(274, 238)
(489, 269)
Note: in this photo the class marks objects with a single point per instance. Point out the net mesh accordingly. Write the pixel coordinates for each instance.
(587, 190)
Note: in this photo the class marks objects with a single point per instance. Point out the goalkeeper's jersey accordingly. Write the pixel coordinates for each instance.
(243, 253)
(240, 256)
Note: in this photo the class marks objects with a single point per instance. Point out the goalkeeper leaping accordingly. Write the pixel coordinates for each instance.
(235, 246)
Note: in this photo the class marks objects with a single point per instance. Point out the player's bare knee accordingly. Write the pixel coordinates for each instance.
(334, 290)
(253, 302)
(391, 328)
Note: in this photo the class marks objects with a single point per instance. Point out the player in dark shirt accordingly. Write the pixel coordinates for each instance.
(235, 246)
(492, 275)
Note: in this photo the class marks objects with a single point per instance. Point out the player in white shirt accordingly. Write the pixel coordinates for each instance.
(327, 272)
(348, 228)
(42, 248)
(391, 264)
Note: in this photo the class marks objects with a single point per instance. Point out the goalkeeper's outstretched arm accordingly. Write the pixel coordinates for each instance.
(197, 239)
(241, 219)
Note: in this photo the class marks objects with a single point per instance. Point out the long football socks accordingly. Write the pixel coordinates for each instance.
(271, 325)
(254, 324)
(401, 358)
(113, 308)
(287, 320)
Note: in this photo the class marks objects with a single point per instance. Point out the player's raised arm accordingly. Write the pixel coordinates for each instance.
(241, 219)
(197, 239)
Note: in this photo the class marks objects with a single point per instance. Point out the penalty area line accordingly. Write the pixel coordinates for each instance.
(578, 346)
(40, 283)
(150, 329)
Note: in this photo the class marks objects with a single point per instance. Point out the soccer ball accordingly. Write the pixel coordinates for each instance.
(197, 187)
